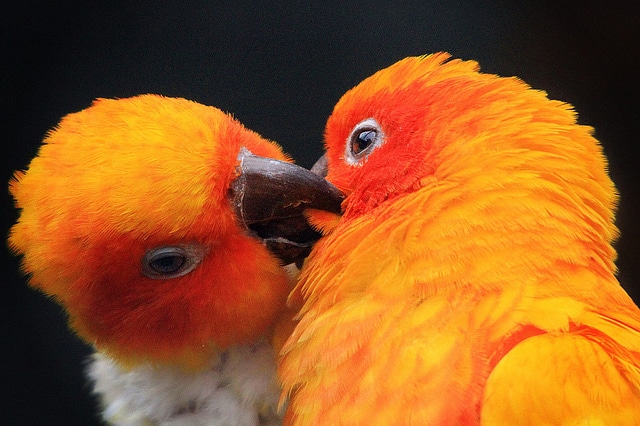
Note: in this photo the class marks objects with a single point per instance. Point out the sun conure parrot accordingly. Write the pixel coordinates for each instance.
(151, 220)
(471, 278)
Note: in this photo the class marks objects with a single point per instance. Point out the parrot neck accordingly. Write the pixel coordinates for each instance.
(443, 236)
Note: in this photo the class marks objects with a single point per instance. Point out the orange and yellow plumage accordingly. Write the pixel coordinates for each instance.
(471, 279)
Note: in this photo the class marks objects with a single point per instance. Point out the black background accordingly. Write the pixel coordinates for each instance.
(279, 69)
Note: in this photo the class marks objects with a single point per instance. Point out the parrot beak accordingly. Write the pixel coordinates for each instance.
(269, 198)
(321, 167)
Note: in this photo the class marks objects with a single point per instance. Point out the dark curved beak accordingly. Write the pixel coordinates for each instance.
(321, 167)
(270, 196)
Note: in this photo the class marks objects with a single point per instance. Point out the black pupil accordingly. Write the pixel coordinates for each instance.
(363, 140)
(167, 264)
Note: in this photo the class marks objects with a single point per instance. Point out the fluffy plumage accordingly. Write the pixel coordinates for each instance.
(125, 221)
(236, 388)
(471, 277)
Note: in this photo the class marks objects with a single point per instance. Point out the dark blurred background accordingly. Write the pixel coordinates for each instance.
(279, 69)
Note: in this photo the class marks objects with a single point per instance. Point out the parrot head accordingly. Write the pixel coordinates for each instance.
(136, 216)
(429, 122)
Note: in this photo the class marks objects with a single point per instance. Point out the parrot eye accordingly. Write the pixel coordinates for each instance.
(364, 138)
(171, 261)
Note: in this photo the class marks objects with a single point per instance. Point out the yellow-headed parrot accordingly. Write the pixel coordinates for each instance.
(471, 278)
(161, 226)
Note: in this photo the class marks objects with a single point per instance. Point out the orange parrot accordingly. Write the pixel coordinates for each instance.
(151, 220)
(471, 278)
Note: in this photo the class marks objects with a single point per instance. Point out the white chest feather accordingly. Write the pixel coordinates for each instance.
(239, 388)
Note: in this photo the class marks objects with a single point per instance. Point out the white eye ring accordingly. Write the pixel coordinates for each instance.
(166, 262)
(364, 138)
